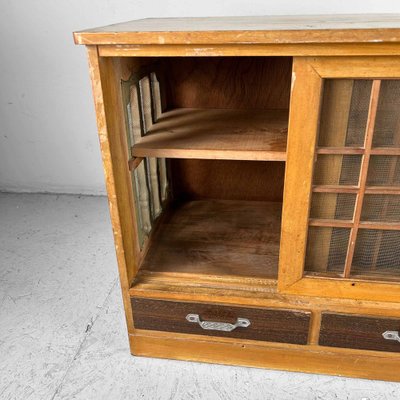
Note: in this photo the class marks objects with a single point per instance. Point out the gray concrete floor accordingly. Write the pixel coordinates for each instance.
(62, 329)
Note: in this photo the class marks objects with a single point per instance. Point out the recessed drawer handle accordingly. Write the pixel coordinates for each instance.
(218, 326)
(391, 335)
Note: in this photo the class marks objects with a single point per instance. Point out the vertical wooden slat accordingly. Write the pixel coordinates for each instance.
(146, 103)
(373, 106)
(315, 327)
(302, 133)
(147, 106)
(163, 179)
(156, 96)
(139, 100)
(157, 111)
(140, 172)
(154, 186)
(136, 124)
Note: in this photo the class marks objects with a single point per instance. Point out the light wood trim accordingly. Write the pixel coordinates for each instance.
(355, 189)
(312, 359)
(382, 190)
(225, 281)
(105, 75)
(314, 328)
(356, 289)
(386, 151)
(340, 150)
(347, 28)
(305, 101)
(276, 345)
(206, 154)
(357, 67)
(134, 162)
(373, 106)
(337, 223)
(335, 189)
(193, 50)
(216, 134)
(390, 226)
(331, 223)
(253, 293)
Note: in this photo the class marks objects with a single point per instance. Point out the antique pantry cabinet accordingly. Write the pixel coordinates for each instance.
(253, 175)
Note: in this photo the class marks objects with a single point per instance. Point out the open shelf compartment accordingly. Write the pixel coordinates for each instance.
(220, 238)
(227, 108)
(207, 138)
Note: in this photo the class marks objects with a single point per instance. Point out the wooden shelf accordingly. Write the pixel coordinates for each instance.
(220, 238)
(217, 134)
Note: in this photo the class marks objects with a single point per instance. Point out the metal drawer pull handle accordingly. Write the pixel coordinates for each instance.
(391, 335)
(218, 326)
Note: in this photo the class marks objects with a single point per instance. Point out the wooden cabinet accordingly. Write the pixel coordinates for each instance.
(253, 179)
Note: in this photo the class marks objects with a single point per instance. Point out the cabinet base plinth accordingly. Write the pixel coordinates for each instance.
(307, 359)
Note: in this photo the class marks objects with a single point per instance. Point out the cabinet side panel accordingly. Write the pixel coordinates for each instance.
(107, 97)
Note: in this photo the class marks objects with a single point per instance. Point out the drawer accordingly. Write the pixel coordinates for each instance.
(272, 325)
(356, 332)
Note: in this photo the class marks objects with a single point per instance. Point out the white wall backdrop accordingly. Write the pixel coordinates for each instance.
(48, 140)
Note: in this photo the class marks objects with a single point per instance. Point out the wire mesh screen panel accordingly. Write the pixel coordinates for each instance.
(381, 207)
(354, 217)
(377, 252)
(326, 249)
(387, 125)
(384, 171)
(337, 169)
(358, 114)
(332, 206)
(344, 112)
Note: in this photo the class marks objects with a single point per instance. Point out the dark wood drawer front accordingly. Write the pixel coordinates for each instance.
(365, 333)
(285, 326)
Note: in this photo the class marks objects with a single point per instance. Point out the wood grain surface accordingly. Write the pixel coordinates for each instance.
(218, 237)
(271, 325)
(250, 50)
(216, 134)
(247, 83)
(303, 124)
(358, 332)
(227, 179)
(310, 359)
(257, 29)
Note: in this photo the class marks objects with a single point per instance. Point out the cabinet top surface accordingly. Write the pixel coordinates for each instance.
(359, 28)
